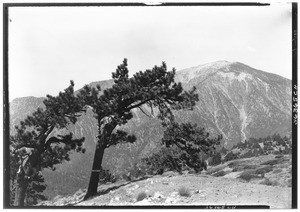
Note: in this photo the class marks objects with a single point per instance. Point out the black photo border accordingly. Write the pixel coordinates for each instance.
(6, 118)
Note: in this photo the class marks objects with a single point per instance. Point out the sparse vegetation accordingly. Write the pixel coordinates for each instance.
(142, 195)
(184, 192)
(289, 182)
(216, 159)
(271, 162)
(215, 169)
(263, 170)
(247, 175)
(106, 176)
(268, 182)
(250, 166)
(254, 147)
(219, 173)
(277, 171)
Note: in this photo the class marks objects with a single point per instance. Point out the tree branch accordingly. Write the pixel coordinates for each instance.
(138, 105)
(144, 112)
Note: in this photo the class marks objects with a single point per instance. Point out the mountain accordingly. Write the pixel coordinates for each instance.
(235, 100)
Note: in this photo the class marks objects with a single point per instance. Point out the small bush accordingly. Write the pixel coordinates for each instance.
(219, 174)
(185, 192)
(235, 169)
(231, 156)
(263, 170)
(106, 176)
(248, 175)
(277, 171)
(215, 169)
(269, 182)
(270, 162)
(250, 167)
(289, 182)
(266, 182)
(142, 195)
(216, 159)
(234, 164)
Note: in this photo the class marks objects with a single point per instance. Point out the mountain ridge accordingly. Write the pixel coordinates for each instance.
(237, 107)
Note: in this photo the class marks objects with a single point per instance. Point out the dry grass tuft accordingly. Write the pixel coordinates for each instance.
(142, 195)
(219, 173)
(269, 182)
(183, 191)
(277, 171)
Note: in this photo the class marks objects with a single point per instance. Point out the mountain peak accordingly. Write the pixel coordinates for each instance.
(203, 70)
(217, 64)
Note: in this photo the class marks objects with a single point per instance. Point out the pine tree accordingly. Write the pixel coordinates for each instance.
(33, 147)
(191, 140)
(153, 88)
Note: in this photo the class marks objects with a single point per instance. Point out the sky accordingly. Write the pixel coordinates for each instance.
(49, 46)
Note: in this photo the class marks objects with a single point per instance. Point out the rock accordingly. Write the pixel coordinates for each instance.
(158, 195)
(199, 191)
(173, 194)
(165, 183)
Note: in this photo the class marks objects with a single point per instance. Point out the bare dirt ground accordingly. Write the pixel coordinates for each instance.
(271, 188)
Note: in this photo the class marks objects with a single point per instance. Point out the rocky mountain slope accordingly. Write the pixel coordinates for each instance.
(236, 101)
(263, 180)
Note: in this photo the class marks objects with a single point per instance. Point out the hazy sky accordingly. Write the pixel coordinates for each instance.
(49, 46)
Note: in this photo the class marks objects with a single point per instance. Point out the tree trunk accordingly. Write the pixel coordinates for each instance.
(105, 132)
(94, 179)
(21, 187)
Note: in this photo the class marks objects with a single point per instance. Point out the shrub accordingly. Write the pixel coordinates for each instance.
(165, 159)
(219, 174)
(142, 195)
(270, 162)
(248, 175)
(106, 176)
(250, 167)
(216, 159)
(230, 156)
(263, 170)
(235, 169)
(215, 169)
(277, 171)
(269, 182)
(289, 182)
(183, 191)
(266, 182)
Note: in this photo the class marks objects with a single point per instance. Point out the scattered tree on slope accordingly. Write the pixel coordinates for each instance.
(191, 140)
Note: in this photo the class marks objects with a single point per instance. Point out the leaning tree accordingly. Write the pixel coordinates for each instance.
(34, 145)
(153, 88)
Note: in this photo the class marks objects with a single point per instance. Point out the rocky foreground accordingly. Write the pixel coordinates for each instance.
(270, 187)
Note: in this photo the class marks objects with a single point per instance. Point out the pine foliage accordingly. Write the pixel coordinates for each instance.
(34, 147)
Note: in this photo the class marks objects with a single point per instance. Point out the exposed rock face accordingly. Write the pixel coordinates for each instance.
(238, 101)
(235, 100)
